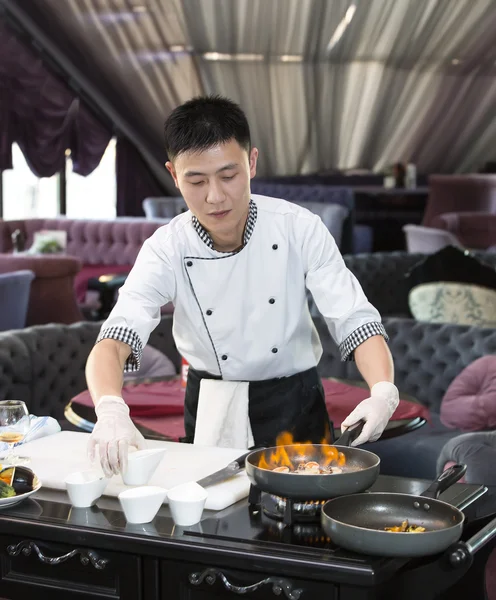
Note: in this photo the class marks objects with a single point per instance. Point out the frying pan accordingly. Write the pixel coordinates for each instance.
(362, 469)
(357, 522)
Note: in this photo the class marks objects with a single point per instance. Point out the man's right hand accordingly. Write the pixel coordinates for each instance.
(114, 433)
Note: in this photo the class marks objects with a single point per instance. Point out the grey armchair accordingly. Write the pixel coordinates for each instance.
(15, 288)
(164, 207)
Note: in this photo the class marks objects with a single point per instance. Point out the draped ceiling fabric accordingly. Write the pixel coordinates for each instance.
(326, 84)
(41, 114)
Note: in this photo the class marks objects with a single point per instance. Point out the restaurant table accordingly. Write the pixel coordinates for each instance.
(158, 412)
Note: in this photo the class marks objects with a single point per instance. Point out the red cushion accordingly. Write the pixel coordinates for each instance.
(172, 427)
(160, 405)
(342, 398)
(90, 271)
(469, 403)
(156, 399)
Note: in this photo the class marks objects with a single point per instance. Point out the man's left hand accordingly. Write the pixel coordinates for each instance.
(375, 411)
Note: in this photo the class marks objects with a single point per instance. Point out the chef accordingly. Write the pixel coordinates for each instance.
(237, 268)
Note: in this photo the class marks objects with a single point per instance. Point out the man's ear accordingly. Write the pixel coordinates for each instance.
(253, 162)
(170, 167)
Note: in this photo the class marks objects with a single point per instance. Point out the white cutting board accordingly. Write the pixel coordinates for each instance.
(54, 457)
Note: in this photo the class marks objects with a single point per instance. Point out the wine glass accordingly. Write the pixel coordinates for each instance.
(14, 424)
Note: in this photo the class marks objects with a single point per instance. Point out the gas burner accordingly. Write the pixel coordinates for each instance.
(291, 511)
(286, 510)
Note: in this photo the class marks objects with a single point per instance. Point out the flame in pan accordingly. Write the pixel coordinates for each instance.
(289, 454)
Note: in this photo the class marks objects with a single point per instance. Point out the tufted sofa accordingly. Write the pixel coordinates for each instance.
(382, 277)
(353, 238)
(427, 357)
(319, 199)
(44, 366)
(100, 246)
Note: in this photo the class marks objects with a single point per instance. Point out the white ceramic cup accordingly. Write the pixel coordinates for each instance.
(85, 487)
(142, 465)
(186, 503)
(141, 504)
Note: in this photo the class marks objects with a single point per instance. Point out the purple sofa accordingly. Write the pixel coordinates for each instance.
(476, 230)
(94, 248)
(459, 193)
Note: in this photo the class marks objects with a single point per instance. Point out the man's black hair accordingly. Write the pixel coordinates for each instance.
(204, 122)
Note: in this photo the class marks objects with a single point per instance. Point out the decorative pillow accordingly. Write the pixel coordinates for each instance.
(459, 303)
(153, 364)
(469, 403)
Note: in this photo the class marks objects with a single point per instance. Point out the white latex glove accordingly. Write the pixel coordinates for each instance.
(375, 411)
(113, 433)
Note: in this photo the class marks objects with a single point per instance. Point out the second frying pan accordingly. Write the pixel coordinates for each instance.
(357, 522)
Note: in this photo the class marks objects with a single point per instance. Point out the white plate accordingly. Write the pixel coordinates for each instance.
(4, 502)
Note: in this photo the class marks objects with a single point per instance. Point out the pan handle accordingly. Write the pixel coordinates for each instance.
(445, 481)
(350, 435)
(242, 459)
(463, 552)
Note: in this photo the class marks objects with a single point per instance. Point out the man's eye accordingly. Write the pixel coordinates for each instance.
(228, 178)
(196, 182)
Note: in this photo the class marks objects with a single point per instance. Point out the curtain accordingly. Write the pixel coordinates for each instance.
(338, 84)
(135, 181)
(41, 114)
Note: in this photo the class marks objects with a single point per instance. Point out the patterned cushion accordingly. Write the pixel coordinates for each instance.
(470, 401)
(445, 302)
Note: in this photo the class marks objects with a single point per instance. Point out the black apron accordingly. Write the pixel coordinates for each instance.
(295, 404)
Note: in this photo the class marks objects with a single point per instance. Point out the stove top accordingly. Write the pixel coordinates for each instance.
(251, 523)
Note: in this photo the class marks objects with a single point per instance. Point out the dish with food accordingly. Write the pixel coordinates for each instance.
(405, 527)
(309, 468)
(16, 484)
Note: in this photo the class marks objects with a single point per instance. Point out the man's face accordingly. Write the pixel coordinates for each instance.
(216, 185)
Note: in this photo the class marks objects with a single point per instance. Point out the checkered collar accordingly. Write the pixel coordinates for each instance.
(249, 227)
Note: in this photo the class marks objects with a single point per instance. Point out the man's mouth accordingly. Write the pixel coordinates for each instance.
(219, 214)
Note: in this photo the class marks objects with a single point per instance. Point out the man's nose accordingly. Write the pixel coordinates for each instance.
(215, 193)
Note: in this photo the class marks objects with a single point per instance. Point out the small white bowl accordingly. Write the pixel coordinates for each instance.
(141, 504)
(142, 465)
(186, 503)
(85, 487)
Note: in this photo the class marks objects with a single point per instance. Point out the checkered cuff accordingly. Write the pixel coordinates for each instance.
(358, 336)
(129, 337)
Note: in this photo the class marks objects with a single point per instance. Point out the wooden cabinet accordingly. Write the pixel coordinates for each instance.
(193, 581)
(34, 569)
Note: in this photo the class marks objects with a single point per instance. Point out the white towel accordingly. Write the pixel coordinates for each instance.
(222, 418)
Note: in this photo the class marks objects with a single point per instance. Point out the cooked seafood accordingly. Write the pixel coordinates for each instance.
(309, 468)
(405, 527)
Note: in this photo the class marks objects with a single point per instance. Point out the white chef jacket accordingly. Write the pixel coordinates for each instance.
(244, 315)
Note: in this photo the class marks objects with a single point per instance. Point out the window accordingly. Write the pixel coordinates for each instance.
(94, 196)
(27, 196)
(24, 194)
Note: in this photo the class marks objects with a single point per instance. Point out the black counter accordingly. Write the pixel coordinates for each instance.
(233, 547)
